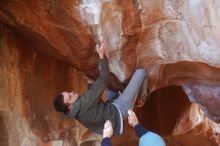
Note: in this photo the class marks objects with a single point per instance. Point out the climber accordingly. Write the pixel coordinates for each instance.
(90, 110)
(147, 138)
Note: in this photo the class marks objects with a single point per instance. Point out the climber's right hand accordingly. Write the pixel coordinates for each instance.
(102, 50)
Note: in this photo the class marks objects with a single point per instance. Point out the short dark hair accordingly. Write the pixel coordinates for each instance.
(59, 104)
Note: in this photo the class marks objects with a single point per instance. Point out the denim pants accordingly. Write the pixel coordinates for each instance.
(127, 99)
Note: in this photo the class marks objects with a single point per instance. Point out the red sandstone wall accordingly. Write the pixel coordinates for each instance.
(46, 45)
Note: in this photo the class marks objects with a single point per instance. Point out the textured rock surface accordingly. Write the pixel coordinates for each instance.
(46, 45)
(170, 33)
(29, 81)
(57, 26)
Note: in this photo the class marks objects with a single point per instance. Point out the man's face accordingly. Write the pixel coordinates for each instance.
(69, 98)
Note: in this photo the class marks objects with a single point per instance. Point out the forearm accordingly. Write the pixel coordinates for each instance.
(100, 83)
(140, 130)
(104, 68)
(93, 95)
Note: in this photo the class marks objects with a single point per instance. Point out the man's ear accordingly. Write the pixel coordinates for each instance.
(70, 107)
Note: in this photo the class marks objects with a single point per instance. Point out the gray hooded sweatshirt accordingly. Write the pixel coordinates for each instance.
(91, 111)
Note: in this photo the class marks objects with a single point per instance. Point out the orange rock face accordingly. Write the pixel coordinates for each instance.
(29, 81)
(49, 46)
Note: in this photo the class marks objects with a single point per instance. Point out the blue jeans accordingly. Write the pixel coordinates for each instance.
(127, 99)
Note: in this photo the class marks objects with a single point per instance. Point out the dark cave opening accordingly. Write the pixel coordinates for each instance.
(163, 109)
